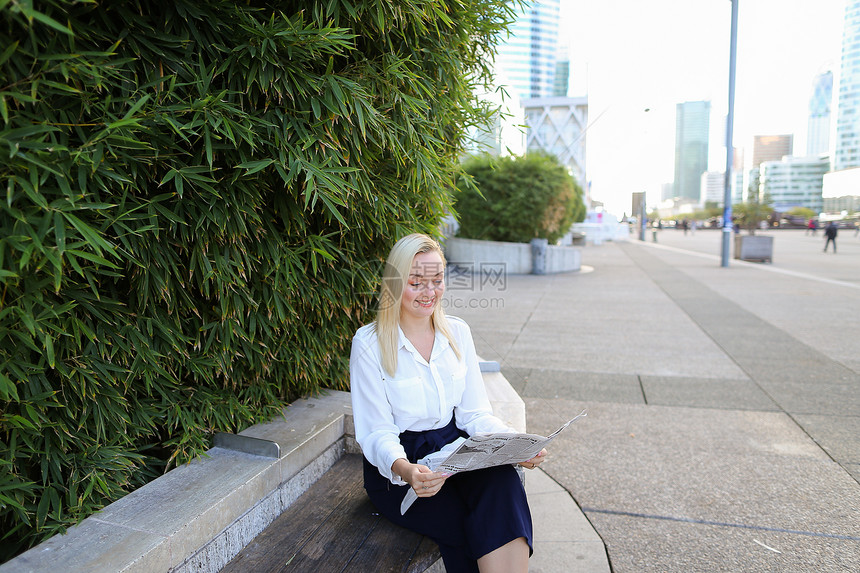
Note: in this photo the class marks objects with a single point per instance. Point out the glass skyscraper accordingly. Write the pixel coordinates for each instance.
(692, 122)
(528, 57)
(847, 144)
(818, 129)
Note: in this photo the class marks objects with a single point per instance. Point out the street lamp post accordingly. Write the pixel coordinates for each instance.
(727, 195)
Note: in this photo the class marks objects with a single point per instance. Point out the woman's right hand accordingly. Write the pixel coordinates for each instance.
(424, 482)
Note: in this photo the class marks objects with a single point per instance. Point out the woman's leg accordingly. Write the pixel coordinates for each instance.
(513, 557)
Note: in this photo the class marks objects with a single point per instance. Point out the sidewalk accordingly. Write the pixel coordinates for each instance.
(723, 428)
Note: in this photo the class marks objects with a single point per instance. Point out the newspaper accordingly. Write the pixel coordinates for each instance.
(484, 451)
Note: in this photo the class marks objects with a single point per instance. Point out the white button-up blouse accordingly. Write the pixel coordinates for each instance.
(420, 396)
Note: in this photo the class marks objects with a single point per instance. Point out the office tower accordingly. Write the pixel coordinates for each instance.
(562, 77)
(528, 56)
(692, 120)
(847, 144)
(556, 125)
(818, 127)
(794, 182)
(638, 208)
(771, 148)
(713, 187)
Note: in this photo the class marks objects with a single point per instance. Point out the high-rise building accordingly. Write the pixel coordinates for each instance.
(794, 182)
(713, 187)
(692, 121)
(562, 77)
(529, 55)
(771, 148)
(818, 126)
(847, 145)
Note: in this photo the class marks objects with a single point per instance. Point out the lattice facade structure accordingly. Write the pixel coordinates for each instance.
(557, 125)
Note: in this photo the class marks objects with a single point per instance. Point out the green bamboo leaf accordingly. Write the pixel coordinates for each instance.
(255, 166)
(47, 20)
(136, 107)
(92, 258)
(207, 141)
(42, 510)
(60, 232)
(19, 96)
(7, 389)
(90, 235)
(49, 350)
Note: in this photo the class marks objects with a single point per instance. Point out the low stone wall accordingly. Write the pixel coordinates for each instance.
(515, 258)
(197, 517)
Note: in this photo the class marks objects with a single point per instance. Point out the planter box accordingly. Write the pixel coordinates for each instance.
(514, 258)
(754, 248)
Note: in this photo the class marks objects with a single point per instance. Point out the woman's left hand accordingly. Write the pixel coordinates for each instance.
(535, 461)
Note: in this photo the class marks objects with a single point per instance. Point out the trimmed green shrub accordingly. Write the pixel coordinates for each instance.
(197, 199)
(517, 199)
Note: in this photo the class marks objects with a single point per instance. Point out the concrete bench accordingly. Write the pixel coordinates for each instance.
(198, 517)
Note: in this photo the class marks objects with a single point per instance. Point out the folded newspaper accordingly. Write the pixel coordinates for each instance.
(484, 451)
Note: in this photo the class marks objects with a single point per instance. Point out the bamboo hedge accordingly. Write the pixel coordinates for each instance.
(198, 195)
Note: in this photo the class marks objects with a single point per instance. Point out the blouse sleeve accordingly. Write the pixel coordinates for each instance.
(375, 430)
(474, 414)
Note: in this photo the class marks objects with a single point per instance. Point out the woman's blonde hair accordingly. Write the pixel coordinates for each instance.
(394, 279)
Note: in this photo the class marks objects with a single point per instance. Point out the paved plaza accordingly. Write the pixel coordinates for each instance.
(723, 426)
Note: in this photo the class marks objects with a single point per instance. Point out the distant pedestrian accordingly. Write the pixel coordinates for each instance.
(693, 227)
(830, 232)
(811, 226)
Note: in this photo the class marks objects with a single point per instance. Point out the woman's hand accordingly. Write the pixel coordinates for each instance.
(535, 461)
(425, 482)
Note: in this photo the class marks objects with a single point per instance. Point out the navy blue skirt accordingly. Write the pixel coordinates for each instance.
(473, 514)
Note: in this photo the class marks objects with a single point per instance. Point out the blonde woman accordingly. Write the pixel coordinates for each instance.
(416, 386)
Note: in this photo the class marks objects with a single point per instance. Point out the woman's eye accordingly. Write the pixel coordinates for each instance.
(438, 282)
(415, 285)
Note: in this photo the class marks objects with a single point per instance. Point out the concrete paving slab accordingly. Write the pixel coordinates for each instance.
(590, 386)
(564, 538)
(640, 544)
(836, 434)
(517, 377)
(750, 469)
(706, 393)
(806, 397)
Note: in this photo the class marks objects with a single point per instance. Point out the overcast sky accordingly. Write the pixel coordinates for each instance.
(629, 56)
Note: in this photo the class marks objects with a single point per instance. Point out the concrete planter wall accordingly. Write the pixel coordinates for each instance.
(516, 257)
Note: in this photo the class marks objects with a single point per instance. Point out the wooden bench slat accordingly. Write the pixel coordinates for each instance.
(272, 548)
(333, 527)
(404, 550)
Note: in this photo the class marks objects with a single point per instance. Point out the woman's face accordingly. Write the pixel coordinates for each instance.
(424, 286)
